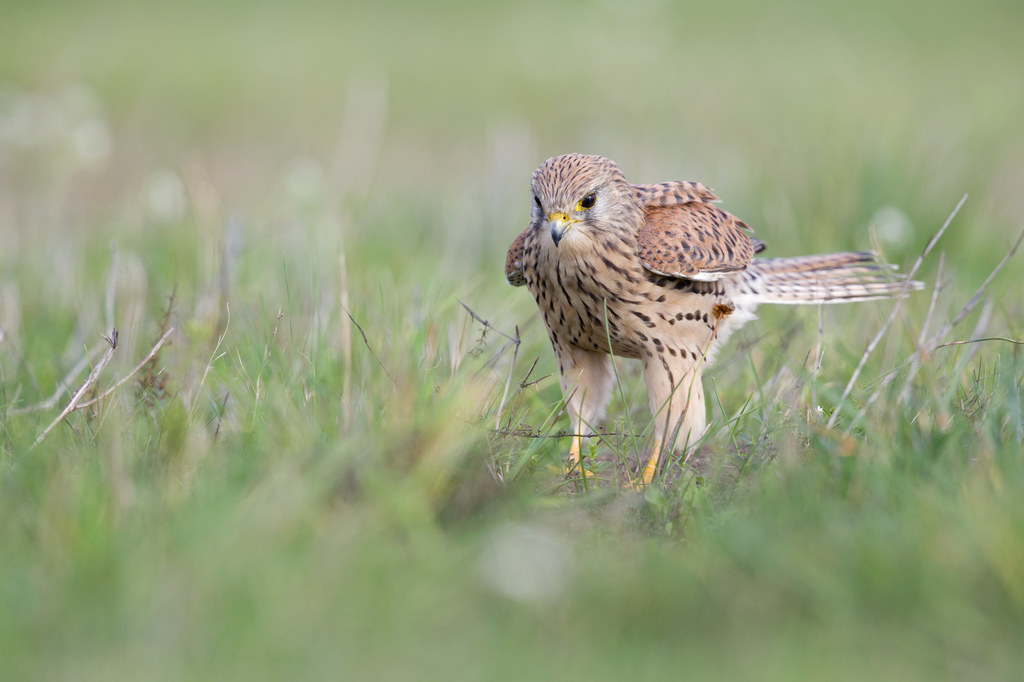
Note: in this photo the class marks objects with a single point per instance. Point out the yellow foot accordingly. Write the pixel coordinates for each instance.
(575, 462)
(650, 470)
(572, 469)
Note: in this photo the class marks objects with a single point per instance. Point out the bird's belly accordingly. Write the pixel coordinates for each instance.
(637, 323)
(588, 322)
(605, 339)
(633, 317)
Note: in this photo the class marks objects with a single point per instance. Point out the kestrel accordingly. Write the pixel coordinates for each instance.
(657, 273)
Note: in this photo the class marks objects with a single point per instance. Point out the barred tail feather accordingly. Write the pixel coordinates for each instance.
(828, 278)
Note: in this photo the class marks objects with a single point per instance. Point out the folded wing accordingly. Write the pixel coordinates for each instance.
(514, 261)
(694, 239)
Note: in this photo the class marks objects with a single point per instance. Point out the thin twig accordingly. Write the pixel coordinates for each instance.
(984, 340)
(924, 348)
(524, 433)
(220, 415)
(84, 388)
(819, 356)
(896, 308)
(369, 347)
(522, 386)
(915, 361)
(515, 340)
(977, 294)
(487, 324)
(979, 330)
(213, 358)
(939, 286)
(152, 353)
(526, 384)
(277, 323)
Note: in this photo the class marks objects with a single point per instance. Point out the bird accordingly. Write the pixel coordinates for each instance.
(658, 273)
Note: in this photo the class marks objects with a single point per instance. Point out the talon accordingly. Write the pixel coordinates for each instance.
(575, 461)
(650, 470)
(571, 470)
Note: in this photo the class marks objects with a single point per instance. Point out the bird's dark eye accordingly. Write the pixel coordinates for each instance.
(536, 200)
(587, 202)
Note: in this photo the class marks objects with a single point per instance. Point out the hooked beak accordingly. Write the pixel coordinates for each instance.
(560, 224)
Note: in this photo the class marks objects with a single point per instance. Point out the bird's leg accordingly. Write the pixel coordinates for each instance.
(651, 467)
(677, 401)
(574, 455)
(586, 381)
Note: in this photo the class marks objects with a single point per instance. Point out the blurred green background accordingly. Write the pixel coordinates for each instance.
(839, 108)
(302, 504)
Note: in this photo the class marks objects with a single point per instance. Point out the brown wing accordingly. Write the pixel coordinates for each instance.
(514, 261)
(694, 240)
(673, 194)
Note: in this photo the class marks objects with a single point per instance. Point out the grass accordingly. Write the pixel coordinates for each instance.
(307, 480)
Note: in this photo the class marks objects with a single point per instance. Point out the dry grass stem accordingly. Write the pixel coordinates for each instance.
(939, 286)
(916, 359)
(979, 330)
(149, 356)
(819, 356)
(488, 325)
(514, 342)
(924, 349)
(524, 383)
(966, 310)
(84, 388)
(892, 316)
(213, 358)
(369, 347)
(220, 414)
(1015, 342)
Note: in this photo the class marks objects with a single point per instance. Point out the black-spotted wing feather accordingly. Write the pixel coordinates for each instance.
(695, 240)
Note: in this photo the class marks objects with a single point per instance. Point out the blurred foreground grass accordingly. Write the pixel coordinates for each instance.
(282, 497)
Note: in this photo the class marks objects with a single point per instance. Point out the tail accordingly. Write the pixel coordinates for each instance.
(829, 278)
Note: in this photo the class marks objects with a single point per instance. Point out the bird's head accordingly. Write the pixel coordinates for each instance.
(577, 199)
